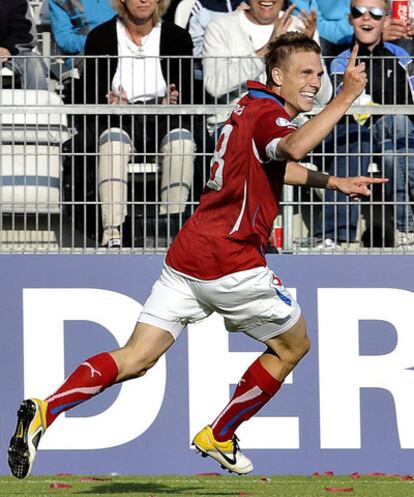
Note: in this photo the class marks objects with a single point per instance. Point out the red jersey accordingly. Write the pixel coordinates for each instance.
(230, 229)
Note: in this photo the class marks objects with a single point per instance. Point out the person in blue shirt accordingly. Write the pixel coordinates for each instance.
(390, 137)
(72, 20)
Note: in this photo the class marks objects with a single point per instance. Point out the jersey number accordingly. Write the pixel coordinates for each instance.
(217, 161)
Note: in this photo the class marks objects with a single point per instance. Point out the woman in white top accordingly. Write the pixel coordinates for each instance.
(133, 63)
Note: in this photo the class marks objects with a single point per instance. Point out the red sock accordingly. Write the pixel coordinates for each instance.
(90, 378)
(254, 390)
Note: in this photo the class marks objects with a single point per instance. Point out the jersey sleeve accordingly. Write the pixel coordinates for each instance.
(270, 128)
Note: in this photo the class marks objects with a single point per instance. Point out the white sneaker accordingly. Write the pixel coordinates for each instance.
(403, 239)
(227, 454)
(114, 243)
(111, 238)
(327, 244)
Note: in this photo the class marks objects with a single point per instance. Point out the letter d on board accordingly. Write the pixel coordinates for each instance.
(45, 311)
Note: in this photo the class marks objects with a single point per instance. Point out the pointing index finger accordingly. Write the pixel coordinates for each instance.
(373, 181)
(352, 59)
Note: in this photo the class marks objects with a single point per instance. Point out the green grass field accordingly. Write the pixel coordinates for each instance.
(208, 486)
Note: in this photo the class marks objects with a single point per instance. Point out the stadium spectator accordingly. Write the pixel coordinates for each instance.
(72, 20)
(241, 39)
(202, 12)
(334, 29)
(196, 21)
(18, 38)
(217, 261)
(392, 135)
(139, 71)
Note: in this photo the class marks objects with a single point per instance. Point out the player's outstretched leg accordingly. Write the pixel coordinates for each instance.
(92, 377)
(31, 425)
(258, 385)
(34, 416)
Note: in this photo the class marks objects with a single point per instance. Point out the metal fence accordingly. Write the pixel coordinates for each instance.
(75, 170)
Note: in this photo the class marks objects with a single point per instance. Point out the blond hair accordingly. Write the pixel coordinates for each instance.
(160, 9)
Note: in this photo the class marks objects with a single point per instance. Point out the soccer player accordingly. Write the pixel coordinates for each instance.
(217, 262)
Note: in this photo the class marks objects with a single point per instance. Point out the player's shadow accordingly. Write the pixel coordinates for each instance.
(151, 488)
(131, 488)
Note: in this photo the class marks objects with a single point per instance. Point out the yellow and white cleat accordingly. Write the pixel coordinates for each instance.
(227, 454)
(31, 426)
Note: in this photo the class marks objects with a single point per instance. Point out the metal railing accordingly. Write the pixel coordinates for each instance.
(52, 185)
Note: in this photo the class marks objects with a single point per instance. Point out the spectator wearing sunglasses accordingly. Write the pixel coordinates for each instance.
(389, 136)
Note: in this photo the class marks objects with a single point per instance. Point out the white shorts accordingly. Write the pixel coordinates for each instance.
(254, 302)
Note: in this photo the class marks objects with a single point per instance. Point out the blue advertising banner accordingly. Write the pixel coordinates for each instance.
(347, 407)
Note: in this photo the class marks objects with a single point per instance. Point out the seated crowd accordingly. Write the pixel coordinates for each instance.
(132, 53)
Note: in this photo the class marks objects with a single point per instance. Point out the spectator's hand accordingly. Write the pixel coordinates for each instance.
(119, 98)
(355, 186)
(309, 20)
(4, 54)
(355, 78)
(396, 28)
(282, 25)
(172, 96)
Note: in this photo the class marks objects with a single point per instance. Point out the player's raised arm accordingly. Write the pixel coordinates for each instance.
(296, 145)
